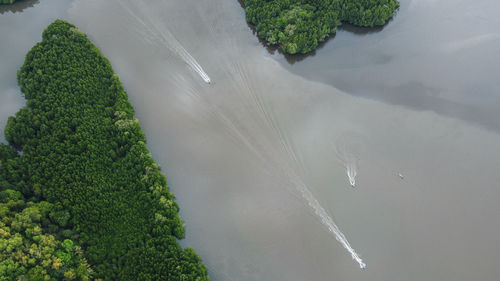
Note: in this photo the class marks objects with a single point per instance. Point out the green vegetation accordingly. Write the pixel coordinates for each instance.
(34, 243)
(85, 166)
(297, 26)
(7, 1)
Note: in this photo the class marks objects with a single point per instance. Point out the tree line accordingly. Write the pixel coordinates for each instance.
(298, 26)
(7, 1)
(84, 159)
(35, 242)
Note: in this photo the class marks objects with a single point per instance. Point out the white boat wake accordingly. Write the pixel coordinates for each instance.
(351, 174)
(347, 148)
(277, 152)
(282, 162)
(164, 37)
(330, 224)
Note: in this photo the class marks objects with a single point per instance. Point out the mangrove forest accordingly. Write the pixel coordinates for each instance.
(298, 26)
(81, 197)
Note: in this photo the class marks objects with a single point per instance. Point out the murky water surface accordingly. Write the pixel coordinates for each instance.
(263, 158)
(440, 56)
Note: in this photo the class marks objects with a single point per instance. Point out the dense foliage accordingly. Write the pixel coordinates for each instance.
(34, 243)
(84, 152)
(7, 1)
(297, 26)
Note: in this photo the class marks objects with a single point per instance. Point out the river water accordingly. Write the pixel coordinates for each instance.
(259, 158)
(440, 56)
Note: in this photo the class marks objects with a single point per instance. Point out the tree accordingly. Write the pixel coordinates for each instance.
(84, 154)
(297, 26)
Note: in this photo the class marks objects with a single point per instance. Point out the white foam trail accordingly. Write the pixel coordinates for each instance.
(171, 42)
(240, 133)
(295, 180)
(291, 177)
(347, 148)
(328, 222)
(168, 39)
(286, 160)
(351, 174)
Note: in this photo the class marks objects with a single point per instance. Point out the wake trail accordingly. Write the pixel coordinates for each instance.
(305, 192)
(247, 134)
(351, 174)
(321, 213)
(272, 163)
(275, 161)
(329, 223)
(267, 115)
(346, 149)
(168, 40)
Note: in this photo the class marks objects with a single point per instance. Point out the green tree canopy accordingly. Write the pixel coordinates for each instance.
(297, 26)
(7, 1)
(85, 154)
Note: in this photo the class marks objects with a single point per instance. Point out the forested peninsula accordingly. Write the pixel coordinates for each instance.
(81, 198)
(7, 1)
(297, 26)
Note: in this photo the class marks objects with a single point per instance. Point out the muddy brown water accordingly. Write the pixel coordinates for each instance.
(240, 152)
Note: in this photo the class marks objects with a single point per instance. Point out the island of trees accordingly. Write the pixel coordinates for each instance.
(297, 26)
(81, 198)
